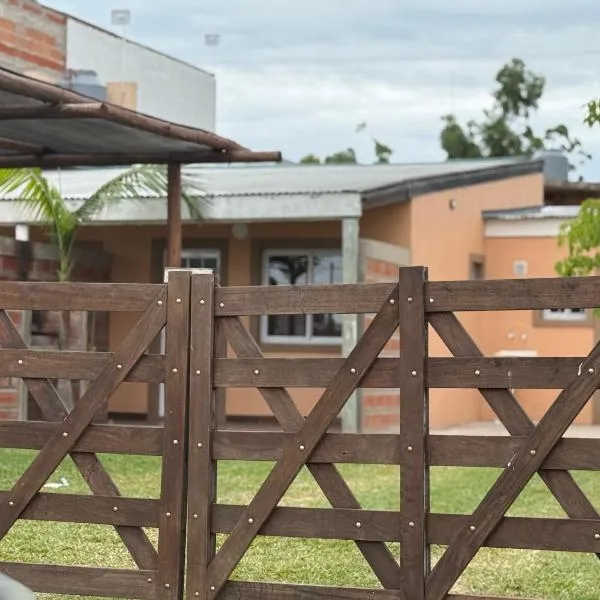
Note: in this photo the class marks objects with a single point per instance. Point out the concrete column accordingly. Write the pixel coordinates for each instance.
(350, 264)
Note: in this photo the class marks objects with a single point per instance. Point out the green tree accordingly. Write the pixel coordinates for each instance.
(581, 237)
(382, 152)
(505, 129)
(45, 204)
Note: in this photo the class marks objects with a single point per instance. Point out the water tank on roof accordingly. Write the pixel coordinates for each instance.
(556, 165)
(84, 82)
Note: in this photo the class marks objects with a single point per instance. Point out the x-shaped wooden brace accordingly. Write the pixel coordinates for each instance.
(540, 441)
(308, 434)
(113, 373)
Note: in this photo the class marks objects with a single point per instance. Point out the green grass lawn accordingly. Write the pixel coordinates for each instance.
(494, 572)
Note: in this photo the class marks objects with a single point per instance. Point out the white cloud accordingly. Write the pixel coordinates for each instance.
(299, 76)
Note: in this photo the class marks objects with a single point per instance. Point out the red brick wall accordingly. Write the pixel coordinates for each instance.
(37, 262)
(32, 39)
(380, 409)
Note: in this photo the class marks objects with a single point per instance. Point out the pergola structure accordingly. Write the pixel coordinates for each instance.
(43, 125)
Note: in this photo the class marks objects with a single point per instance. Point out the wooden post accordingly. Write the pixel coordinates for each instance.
(174, 216)
(414, 427)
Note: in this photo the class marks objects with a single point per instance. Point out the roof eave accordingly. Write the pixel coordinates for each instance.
(407, 190)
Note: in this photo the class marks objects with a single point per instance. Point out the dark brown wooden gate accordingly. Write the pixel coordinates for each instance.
(159, 571)
(413, 304)
(209, 348)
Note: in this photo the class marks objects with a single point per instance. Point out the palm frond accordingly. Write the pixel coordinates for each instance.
(135, 184)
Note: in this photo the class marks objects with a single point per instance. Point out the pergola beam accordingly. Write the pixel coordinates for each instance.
(174, 233)
(155, 158)
(20, 147)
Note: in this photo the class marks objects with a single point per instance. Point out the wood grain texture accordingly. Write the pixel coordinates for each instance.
(513, 479)
(247, 590)
(477, 372)
(70, 508)
(512, 415)
(414, 419)
(92, 297)
(385, 449)
(570, 535)
(340, 448)
(202, 474)
(49, 364)
(172, 522)
(108, 439)
(513, 294)
(83, 581)
(90, 467)
(308, 436)
(302, 299)
(327, 476)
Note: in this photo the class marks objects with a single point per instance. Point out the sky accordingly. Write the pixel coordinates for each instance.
(299, 76)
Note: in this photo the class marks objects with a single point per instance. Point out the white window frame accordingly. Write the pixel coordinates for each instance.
(185, 254)
(565, 315)
(295, 340)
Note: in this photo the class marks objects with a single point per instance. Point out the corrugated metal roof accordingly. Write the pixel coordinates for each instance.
(532, 213)
(257, 180)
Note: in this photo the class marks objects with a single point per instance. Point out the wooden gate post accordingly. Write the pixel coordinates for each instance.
(414, 428)
(172, 521)
(201, 492)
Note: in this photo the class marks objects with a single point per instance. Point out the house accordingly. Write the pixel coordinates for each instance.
(332, 223)
(58, 48)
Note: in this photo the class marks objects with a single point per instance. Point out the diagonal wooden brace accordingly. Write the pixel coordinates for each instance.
(59, 445)
(93, 472)
(511, 482)
(561, 483)
(327, 476)
(296, 454)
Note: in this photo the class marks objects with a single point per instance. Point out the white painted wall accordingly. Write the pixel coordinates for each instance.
(167, 88)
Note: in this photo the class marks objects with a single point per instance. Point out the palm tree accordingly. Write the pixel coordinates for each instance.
(45, 204)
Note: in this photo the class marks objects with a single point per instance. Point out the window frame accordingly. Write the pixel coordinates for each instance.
(293, 340)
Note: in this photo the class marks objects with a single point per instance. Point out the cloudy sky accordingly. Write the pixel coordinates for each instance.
(299, 76)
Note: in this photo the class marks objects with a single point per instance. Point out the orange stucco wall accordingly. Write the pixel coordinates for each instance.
(443, 239)
(517, 330)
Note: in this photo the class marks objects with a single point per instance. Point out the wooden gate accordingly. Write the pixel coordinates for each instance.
(209, 347)
(73, 434)
(413, 304)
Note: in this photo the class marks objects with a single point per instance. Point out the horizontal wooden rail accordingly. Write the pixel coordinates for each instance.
(92, 297)
(106, 439)
(305, 299)
(98, 510)
(513, 294)
(49, 364)
(571, 535)
(442, 296)
(252, 590)
(385, 449)
(496, 372)
(334, 448)
(83, 581)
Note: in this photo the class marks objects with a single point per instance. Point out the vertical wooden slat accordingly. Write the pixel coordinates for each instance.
(202, 468)
(171, 542)
(414, 412)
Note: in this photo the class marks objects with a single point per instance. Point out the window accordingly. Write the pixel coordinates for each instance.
(565, 314)
(201, 259)
(302, 267)
(477, 269)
